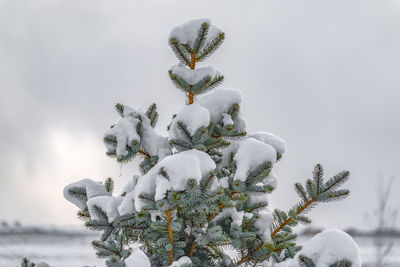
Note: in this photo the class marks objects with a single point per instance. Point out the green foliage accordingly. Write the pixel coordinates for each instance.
(120, 109)
(207, 139)
(152, 114)
(315, 191)
(210, 48)
(109, 185)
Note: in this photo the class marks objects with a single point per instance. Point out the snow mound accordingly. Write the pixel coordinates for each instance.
(258, 198)
(194, 76)
(236, 216)
(137, 259)
(190, 164)
(268, 138)
(219, 101)
(193, 116)
(184, 261)
(263, 223)
(108, 204)
(326, 248)
(125, 132)
(330, 246)
(251, 154)
(187, 32)
(227, 151)
(92, 189)
(130, 185)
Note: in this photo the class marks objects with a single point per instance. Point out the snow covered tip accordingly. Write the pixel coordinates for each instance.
(195, 40)
(133, 132)
(191, 31)
(193, 77)
(80, 192)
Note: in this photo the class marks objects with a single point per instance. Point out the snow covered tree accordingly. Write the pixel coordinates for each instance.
(201, 196)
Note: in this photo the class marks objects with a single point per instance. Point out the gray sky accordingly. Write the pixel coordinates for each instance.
(323, 75)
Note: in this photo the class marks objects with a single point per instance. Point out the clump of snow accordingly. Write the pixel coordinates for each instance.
(152, 142)
(326, 248)
(184, 261)
(92, 188)
(224, 182)
(219, 101)
(187, 32)
(193, 116)
(215, 185)
(236, 216)
(155, 215)
(125, 131)
(227, 119)
(251, 154)
(190, 164)
(194, 76)
(248, 215)
(108, 204)
(130, 185)
(232, 149)
(263, 223)
(258, 198)
(330, 246)
(268, 138)
(137, 259)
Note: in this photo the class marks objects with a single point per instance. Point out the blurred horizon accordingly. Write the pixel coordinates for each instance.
(323, 75)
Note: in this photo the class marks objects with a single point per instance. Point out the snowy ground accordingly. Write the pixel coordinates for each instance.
(69, 247)
(60, 249)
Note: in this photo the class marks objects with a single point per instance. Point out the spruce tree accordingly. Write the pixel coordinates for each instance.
(201, 196)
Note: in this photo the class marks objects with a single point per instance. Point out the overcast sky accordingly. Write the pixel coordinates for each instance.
(323, 75)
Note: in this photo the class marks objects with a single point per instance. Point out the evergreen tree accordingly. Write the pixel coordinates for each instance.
(201, 197)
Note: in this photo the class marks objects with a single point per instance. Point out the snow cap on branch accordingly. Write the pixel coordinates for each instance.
(87, 189)
(268, 138)
(330, 246)
(125, 132)
(108, 204)
(219, 103)
(190, 164)
(327, 248)
(236, 216)
(263, 224)
(193, 116)
(187, 32)
(137, 259)
(251, 154)
(184, 261)
(194, 76)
